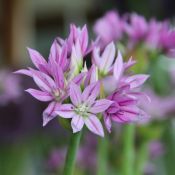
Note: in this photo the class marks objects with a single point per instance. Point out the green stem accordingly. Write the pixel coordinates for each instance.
(142, 158)
(102, 156)
(128, 150)
(71, 153)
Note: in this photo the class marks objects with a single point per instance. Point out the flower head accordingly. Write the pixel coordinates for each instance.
(84, 108)
(124, 108)
(109, 28)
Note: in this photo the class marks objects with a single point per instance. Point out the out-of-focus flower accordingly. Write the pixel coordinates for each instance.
(84, 108)
(137, 28)
(125, 98)
(10, 87)
(109, 28)
(87, 149)
(156, 149)
(166, 104)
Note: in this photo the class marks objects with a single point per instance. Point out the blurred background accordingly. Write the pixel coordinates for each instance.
(25, 146)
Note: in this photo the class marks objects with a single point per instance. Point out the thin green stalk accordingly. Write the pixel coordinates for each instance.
(142, 157)
(71, 153)
(128, 150)
(102, 156)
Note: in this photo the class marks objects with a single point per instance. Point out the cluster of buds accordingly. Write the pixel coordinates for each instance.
(81, 94)
(135, 29)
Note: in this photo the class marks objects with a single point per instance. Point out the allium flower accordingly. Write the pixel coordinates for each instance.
(84, 108)
(138, 27)
(110, 27)
(65, 72)
(125, 98)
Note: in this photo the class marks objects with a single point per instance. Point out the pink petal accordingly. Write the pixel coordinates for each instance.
(54, 51)
(49, 112)
(79, 78)
(40, 95)
(136, 80)
(96, 56)
(107, 57)
(77, 123)
(118, 67)
(43, 81)
(94, 125)
(66, 111)
(24, 72)
(129, 64)
(91, 76)
(58, 75)
(100, 106)
(75, 94)
(36, 58)
(84, 39)
(90, 93)
(107, 122)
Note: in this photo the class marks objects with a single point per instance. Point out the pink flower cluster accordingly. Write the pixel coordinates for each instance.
(83, 95)
(134, 29)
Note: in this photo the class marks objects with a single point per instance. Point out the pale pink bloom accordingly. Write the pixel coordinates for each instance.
(166, 104)
(137, 28)
(84, 108)
(152, 38)
(109, 28)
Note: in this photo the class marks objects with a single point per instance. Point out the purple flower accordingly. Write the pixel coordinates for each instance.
(84, 108)
(124, 108)
(137, 28)
(156, 149)
(166, 104)
(109, 28)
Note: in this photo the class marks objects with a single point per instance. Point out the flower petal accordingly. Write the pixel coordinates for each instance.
(94, 125)
(107, 57)
(24, 72)
(40, 95)
(66, 111)
(36, 58)
(90, 93)
(118, 67)
(58, 75)
(136, 80)
(100, 106)
(107, 122)
(96, 56)
(77, 123)
(49, 112)
(75, 94)
(43, 81)
(84, 39)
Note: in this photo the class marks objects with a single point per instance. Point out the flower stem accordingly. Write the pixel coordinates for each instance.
(128, 150)
(71, 153)
(102, 156)
(142, 158)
